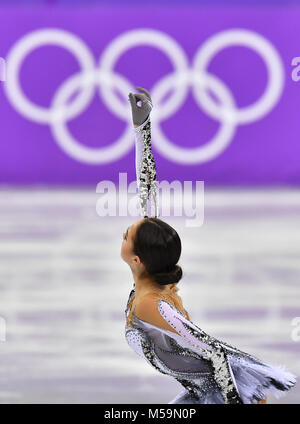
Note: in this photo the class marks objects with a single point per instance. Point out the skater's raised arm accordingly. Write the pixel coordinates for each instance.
(144, 160)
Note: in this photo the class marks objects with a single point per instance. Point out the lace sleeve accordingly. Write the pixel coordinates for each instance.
(145, 168)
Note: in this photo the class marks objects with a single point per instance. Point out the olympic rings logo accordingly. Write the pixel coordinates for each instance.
(179, 81)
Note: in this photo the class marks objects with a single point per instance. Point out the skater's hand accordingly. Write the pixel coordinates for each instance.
(140, 113)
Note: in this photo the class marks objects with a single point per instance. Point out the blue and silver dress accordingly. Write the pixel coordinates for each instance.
(210, 370)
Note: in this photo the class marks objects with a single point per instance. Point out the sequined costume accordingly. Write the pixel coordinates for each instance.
(145, 168)
(210, 370)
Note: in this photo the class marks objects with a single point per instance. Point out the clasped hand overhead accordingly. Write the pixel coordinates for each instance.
(140, 113)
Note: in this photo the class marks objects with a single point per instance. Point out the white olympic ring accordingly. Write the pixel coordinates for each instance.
(225, 111)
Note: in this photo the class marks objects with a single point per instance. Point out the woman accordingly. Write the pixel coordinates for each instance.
(159, 328)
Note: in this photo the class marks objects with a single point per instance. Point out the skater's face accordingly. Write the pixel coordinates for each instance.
(127, 245)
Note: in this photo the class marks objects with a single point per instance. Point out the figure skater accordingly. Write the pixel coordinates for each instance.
(159, 329)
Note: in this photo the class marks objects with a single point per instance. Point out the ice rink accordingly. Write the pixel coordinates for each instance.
(64, 289)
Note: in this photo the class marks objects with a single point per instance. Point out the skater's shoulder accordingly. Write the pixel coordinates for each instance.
(146, 308)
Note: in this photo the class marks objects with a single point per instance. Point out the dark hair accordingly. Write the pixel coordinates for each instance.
(159, 247)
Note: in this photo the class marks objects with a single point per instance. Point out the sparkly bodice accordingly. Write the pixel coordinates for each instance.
(171, 359)
(210, 370)
(168, 355)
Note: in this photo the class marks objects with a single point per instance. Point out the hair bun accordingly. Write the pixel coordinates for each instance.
(170, 277)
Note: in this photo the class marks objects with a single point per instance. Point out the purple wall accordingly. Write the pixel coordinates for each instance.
(238, 146)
